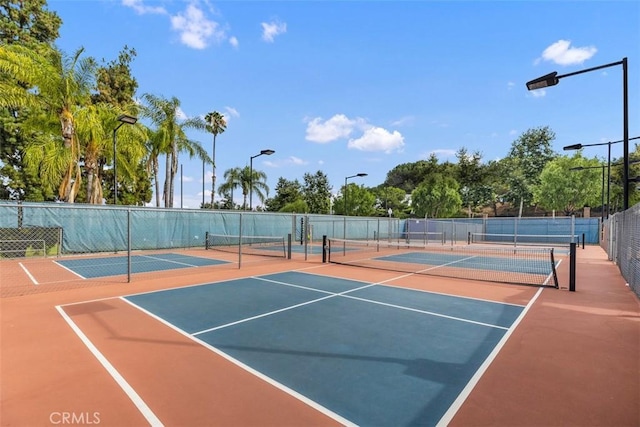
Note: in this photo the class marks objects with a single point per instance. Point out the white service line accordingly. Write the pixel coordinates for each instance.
(124, 385)
(167, 260)
(33, 279)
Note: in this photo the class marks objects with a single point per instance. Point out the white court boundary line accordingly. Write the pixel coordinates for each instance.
(313, 404)
(33, 279)
(466, 391)
(69, 270)
(124, 385)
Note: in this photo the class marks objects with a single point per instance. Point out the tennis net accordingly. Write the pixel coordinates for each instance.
(527, 266)
(419, 237)
(524, 239)
(251, 245)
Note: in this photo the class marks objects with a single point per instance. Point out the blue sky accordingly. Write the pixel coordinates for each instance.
(363, 86)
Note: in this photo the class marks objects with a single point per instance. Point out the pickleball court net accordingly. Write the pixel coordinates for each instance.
(527, 266)
(523, 239)
(272, 246)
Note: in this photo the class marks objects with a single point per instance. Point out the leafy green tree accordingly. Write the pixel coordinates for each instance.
(286, 193)
(227, 200)
(30, 24)
(436, 197)
(296, 206)
(317, 192)
(94, 130)
(390, 198)
(527, 158)
(563, 189)
(407, 176)
(115, 84)
(63, 87)
(215, 124)
(359, 201)
(472, 177)
(497, 172)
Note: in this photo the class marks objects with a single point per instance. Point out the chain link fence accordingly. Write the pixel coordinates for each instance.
(38, 239)
(622, 243)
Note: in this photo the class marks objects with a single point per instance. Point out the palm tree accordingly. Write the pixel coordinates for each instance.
(170, 138)
(154, 151)
(94, 130)
(216, 124)
(56, 86)
(242, 178)
(232, 181)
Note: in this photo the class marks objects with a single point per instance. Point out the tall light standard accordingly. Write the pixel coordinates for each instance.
(123, 119)
(581, 146)
(344, 231)
(552, 79)
(262, 153)
(345, 189)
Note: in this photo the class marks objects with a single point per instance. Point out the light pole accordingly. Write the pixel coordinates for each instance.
(581, 146)
(130, 120)
(345, 189)
(262, 153)
(552, 79)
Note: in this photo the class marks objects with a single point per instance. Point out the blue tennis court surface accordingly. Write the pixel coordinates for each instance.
(114, 266)
(372, 354)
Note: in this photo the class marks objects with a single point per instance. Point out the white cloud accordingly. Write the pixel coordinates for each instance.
(291, 160)
(142, 9)
(272, 29)
(296, 161)
(513, 132)
(562, 53)
(195, 29)
(403, 121)
(538, 93)
(233, 41)
(230, 112)
(378, 139)
(338, 126)
(510, 85)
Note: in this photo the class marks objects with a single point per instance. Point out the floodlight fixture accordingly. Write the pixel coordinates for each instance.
(266, 152)
(547, 80)
(552, 79)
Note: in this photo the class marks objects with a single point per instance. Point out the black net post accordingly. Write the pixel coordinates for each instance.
(583, 238)
(289, 246)
(324, 248)
(572, 267)
(206, 240)
(553, 270)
